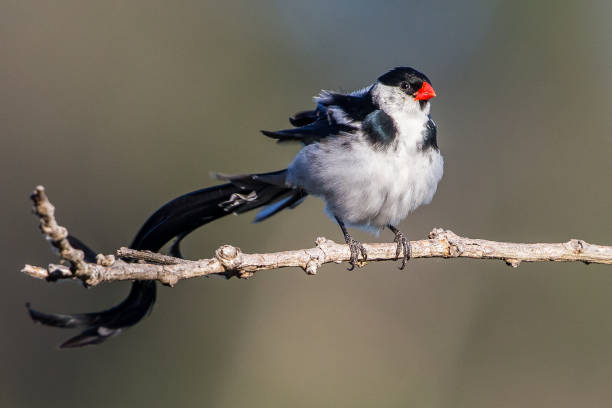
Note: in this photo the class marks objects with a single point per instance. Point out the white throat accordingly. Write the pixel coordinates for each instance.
(407, 114)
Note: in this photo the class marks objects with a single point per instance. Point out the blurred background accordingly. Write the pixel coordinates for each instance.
(116, 107)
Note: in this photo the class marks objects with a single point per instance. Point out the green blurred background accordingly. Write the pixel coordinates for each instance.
(117, 107)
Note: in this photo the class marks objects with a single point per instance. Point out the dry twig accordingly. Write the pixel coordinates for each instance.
(231, 260)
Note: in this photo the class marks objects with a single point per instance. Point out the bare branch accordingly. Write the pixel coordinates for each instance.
(149, 257)
(230, 260)
(56, 234)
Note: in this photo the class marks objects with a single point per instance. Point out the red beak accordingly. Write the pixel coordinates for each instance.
(425, 93)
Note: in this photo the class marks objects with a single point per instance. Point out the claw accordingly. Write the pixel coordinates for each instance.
(402, 244)
(356, 248)
(354, 245)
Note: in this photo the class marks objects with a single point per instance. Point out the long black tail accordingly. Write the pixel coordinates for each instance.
(175, 219)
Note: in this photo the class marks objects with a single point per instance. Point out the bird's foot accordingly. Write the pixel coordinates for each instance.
(402, 244)
(356, 248)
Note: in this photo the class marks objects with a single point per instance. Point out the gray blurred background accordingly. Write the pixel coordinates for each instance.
(117, 107)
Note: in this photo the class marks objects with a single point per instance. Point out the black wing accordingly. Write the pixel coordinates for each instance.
(312, 133)
(355, 106)
(335, 114)
(430, 135)
(304, 118)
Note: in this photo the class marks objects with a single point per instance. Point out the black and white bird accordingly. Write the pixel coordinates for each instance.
(371, 155)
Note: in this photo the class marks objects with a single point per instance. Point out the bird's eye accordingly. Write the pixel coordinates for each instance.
(404, 85)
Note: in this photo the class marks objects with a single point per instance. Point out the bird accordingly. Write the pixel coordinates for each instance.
(371, 155)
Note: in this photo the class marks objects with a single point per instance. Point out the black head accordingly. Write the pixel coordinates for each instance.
(410, 81)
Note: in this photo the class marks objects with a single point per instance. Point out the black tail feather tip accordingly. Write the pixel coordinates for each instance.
(90, 337)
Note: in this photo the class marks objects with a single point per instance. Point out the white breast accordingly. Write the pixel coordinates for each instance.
(365, 187)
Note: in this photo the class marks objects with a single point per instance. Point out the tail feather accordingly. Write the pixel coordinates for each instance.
(93, 335)
(289, 202)
(59, 320)
(175, 219)
(184, 213)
